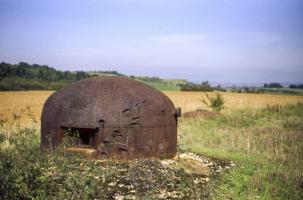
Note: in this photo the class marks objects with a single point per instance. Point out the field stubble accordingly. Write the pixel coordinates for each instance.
(17, 104)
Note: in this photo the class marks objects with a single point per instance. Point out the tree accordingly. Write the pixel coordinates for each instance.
(273, 85)
(5, 69)
(24, 76)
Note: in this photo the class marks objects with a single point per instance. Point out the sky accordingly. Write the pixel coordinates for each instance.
(225, 41)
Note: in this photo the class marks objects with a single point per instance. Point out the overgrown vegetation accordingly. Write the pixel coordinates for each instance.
(28, 173)
(267, 145)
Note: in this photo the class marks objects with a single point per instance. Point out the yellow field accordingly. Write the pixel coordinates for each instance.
(189, 101)
(20, 105)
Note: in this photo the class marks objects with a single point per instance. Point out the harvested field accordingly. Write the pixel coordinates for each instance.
(190, 101)
(27, 105)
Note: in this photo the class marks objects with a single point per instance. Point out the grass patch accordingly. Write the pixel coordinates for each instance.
(267, 145)
(162, 85)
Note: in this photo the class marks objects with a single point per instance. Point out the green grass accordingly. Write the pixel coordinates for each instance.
(21, 84)
(162, 85)
(266, 144)
(155, 82)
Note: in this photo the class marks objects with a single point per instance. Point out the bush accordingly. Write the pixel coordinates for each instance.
(215, 103)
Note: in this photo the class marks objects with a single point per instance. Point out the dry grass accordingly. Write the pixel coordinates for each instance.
(20, 104)
(190, 101)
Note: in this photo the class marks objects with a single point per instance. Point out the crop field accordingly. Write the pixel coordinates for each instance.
(190, 101)
(19, 105)
(261, 134)
(22, 104)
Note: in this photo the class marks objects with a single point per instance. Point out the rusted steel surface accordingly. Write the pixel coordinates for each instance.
(118, 117)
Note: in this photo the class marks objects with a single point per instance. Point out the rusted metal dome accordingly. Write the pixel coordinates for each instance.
(115, 117)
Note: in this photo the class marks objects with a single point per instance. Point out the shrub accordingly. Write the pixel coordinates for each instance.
(215, 103)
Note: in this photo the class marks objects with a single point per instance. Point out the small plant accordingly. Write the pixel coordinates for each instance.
(215, 103)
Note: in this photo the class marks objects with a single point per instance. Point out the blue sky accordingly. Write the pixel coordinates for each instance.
(234, 41)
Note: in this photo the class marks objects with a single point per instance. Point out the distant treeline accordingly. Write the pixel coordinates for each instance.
(253, 90)
(256, 90)
(272, 85)
(293, 86)
(278, 85)
(24, 76)
(150, 79)
(113, 72)
(203, 87)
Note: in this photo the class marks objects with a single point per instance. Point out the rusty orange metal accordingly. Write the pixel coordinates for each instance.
(115, 117)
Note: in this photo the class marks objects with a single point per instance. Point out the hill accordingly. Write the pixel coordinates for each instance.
(24, 76)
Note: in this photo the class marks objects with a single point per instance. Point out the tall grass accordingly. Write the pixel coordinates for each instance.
(267, 143)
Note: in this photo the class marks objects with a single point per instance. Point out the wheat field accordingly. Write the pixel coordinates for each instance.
(189, 101)
(26, 106)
